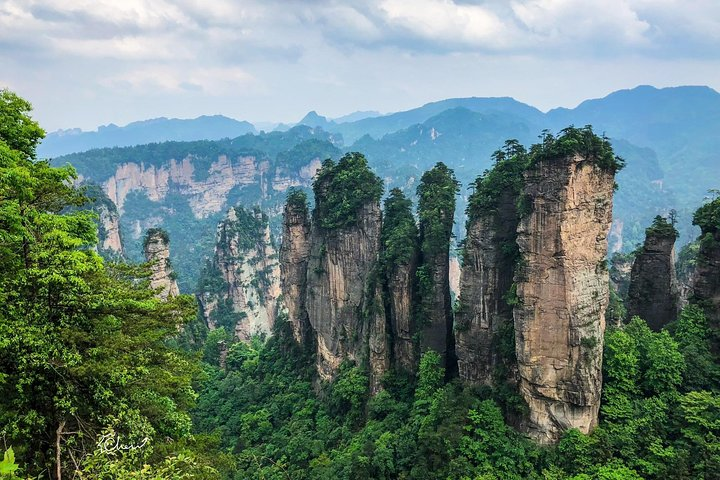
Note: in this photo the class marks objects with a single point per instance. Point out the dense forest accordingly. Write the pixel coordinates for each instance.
(100, 378)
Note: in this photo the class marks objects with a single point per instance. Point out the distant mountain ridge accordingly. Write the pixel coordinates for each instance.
(668, 137)
(206, 127)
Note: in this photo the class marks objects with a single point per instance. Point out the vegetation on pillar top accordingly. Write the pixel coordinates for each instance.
(661, 228)
(506, 176)
(156, 232)
(247, 228)
(436, 207)
(399, 232)
(342, 189)
(297, 201)
(582, 141)
(707, 217)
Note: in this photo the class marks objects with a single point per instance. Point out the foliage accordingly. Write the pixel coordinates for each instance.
(661, 228)
(83, 343)
(155, 232)
(707, 217)
(399, 237)
(582, 141)
(342, 189)
(436, 207)
(297, 201)
(505, 178)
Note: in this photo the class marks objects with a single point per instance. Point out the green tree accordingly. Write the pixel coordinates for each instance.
(82, 344)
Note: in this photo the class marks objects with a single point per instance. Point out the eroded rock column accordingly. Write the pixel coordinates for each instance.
(562, 290)
(157, 253)
(653, 291)
(485, 283)
(294, 255)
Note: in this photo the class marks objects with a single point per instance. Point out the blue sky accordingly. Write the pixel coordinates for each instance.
(84, 63)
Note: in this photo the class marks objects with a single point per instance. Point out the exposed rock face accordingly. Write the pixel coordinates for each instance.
(401, 293)
(437, 333)
(109, 230)
(246, 264)
(653, 291)
(398, 264)
(706, 285)
(378, 340)
(294, 255)
(486, 278)
(620, 272)
(205, 196)
(436, 209)
(562, 289)
(157, 253)
(340, 263)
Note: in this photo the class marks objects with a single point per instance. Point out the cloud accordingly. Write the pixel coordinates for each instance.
(277, 58)
(215, 81)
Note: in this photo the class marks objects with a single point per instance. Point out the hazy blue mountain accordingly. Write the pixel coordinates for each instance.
(161, 129)
(355, 116)
(376, 127)
(313, 119)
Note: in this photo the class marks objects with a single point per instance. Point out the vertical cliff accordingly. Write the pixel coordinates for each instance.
(109, 230)
(156, 247)
(653, 290)
(240, 287)
(108, 221)
(399, 259)
(345, 242)
(294, 255)
(706, 280)
(436, 209)
(562, 281)
(489, 258)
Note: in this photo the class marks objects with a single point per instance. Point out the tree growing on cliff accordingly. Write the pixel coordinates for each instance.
(342, 189)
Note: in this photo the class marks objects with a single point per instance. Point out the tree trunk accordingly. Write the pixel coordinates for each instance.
(58, 463)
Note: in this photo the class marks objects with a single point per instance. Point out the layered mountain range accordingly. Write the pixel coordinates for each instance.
(186, 187)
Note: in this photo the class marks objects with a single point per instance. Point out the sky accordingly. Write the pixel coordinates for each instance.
(84, 63)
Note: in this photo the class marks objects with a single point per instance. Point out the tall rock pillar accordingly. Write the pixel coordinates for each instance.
(487, 273)
(653, 291)
(157, 252)
(436, 209)
(294, 255)
(562, 283)
(344, 248)
(706, 281)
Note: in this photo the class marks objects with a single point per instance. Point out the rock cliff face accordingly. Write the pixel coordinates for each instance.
(706, 284)
(157, 253)
(399, 262)
(239, 290)
(562, 290)
(109, 230)
(401, 293)
(294, 255)
(653, 291)
(436, 209)
(485, 282)
(331, 277)
(340, 263)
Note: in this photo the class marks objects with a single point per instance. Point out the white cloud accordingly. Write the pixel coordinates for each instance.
(569, 21)
(213, 81)
(446, 21)
(277, 58)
